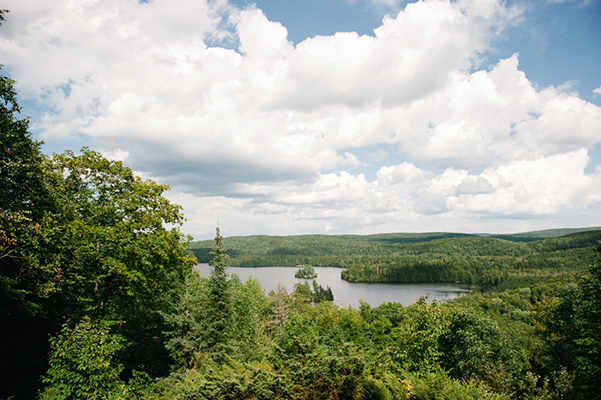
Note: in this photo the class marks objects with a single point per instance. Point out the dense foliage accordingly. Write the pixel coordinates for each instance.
(314, 293)
(487, 261)
(501, 345)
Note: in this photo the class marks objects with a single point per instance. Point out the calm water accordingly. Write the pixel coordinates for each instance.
(346, 293)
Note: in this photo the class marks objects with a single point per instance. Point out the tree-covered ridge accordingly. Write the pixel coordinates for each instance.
(433, 257)
(487, 261)
(302, 246)
(260, 249)
(543, 234)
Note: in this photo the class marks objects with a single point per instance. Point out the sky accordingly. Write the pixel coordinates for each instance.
(327, 116)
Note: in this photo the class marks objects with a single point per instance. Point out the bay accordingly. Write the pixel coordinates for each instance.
(347, 293)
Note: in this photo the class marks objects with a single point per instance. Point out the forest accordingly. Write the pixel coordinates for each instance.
(99, 299)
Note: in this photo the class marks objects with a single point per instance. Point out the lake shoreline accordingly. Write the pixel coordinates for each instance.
(351, 293)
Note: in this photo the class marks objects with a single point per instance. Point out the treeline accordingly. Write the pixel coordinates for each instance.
(262, 250)
(258, 251)
(487, 261)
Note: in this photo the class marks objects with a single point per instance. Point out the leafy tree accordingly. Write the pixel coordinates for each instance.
(474, 347)
(24, 196)
(24, 191)
(302, 293)
(117, 259)
(418, 336)
(81, 236)
(82, 364)
(28, 211)
(250, 317)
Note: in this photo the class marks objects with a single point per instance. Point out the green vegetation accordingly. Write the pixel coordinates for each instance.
(488, 261)
(303, 291)
(510, 344)
(316, 250)
(99, 300)
(502, 263)
(306, 272)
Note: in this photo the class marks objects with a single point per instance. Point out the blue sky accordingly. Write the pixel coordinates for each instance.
(331, 116)
(558, 41)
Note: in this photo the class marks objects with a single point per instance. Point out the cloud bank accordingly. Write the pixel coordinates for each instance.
(268, 137)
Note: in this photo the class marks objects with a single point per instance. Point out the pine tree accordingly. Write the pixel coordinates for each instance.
(219, 315)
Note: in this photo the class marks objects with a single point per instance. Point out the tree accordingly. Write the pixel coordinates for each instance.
(219, 305)
(82, 364)
(88, 239)
(187, 322)
(302, 292)
(118, 260)
(418, 336)
(475, 347)
(280, 300)
(25, 197)
(28, 209)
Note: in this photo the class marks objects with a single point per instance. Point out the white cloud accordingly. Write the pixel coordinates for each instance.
(475, 185)
(597, 91)
(115, 154)
(270, 129)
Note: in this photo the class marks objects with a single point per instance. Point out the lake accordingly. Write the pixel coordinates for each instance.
(347, 293)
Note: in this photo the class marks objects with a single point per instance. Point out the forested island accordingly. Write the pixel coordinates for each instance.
(99, 299)
(305, 272)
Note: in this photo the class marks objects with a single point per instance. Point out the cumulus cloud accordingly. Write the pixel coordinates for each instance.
(246, 126)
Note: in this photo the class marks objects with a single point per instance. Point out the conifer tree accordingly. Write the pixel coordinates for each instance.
(219, 315)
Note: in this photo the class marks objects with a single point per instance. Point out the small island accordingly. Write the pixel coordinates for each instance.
(305, 272)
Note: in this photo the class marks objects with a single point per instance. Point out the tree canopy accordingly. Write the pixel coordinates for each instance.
(81, 237)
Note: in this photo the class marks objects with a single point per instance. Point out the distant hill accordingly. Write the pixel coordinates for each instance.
(345, 250)
(308, 245)
(544, 234)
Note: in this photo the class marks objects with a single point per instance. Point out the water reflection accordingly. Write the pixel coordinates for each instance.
(346, 293)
